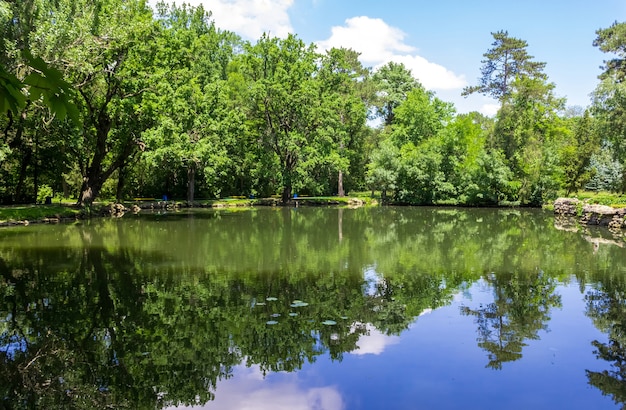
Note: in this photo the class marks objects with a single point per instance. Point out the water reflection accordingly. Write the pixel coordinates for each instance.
(606, 306)
(520, 309)
(282, 391)
(374, 341)
(159, 312)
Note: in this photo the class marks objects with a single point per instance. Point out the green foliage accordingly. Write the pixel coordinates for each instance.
(111, 98)
(382, 173)
(609, 99)
(393, 83)
(603, 198)
(529, 133)
(577, 152)
(44, 192)
(606, 170)
(420, 178)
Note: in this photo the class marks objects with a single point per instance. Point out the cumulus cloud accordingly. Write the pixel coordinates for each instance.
(249, 18)
(380, 43)
(489, 109)
(373, 38)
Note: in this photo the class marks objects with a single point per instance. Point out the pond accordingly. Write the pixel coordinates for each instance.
(314, 308)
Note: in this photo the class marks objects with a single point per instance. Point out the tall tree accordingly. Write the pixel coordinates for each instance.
(191, 64)
(285, 97)
(609, 99)
(342, 77)
(529, 132)
(105, 50)
(506, 60)
(393, 83)
(577, 151)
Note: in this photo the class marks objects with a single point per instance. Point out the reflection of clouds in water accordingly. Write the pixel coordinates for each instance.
(374, 342)
(248, 390)
(372, 279)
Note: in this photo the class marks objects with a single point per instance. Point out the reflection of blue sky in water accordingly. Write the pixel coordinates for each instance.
(374, 342)
(372, 279)
(248, 390)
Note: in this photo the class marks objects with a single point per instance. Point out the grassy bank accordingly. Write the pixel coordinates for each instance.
(603, 198)
(600, 198)
(47, 213)
(37, 212)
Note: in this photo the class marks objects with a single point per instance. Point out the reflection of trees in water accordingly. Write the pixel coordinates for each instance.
(122, 328)
(521, 308)
(607, 308)
(153, 313)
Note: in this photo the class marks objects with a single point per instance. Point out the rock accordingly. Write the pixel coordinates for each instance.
(355, 202)
(603, 215)
(566, 206)
(117, 210)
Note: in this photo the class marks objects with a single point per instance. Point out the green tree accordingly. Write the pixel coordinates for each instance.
(418, 121)
(609, 98)
(382, 172)
(105, 50)
(34, 100)
(607, 171)
(285, 98)
(420, 116)
(529, 132)
(576, 153)
(342, 77)
(503, 63)
(393, 82)
(195, 120)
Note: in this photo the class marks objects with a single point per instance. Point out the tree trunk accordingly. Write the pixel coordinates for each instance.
(191, 182)
(288, 166)
(340, 191)
(286, 196)
(66, 187)
(89, 190)
(96, 174)
(121, 181)
(19, 188)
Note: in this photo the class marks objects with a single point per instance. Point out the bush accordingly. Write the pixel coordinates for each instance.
(44, 191)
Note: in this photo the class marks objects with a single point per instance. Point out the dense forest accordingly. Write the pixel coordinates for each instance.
(111, 99)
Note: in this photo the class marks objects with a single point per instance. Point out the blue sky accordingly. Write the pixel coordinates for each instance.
(441, 41)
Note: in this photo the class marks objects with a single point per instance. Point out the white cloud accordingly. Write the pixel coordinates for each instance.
(373, 38)
(489, 109)
(248, 18)
(380, 43)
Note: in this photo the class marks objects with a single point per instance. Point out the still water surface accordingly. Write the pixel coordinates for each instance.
(314, 308)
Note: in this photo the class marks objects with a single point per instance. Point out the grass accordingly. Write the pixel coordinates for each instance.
(65, 210)
(35, 212)
(602, 198)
